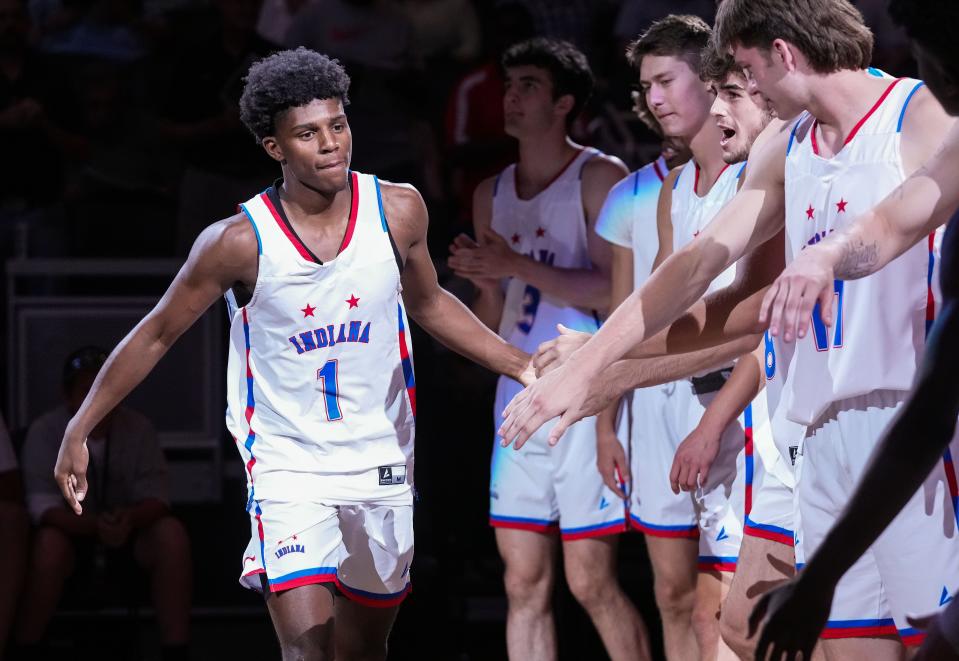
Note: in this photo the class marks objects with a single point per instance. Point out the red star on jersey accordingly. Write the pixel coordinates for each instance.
(353, 301)
(695, 234)
(540, 232)
(308, 310)
(841, 205)
(810, 212)
(515, 238)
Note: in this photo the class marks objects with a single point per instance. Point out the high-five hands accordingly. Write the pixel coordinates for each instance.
(553, 353)
(788, 305)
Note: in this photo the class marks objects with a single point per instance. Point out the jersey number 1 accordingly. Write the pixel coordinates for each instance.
(331, 389)
(820, 332)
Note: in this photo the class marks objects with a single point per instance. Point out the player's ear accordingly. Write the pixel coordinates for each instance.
(273, 148)
(564, 104)
(785, 53)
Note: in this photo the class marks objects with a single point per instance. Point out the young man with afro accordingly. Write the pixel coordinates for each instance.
(319, 270)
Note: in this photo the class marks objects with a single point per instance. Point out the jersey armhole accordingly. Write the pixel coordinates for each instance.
(386, 225)
(902, 113)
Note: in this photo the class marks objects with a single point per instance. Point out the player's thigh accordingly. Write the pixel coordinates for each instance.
(763, 565)
(529, 557)
(303, 619)
(590, 562)
(674, 565)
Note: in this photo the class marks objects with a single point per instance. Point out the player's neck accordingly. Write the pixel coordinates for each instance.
(708, 154)
(309, 204)
(540, 160)
(840, 100)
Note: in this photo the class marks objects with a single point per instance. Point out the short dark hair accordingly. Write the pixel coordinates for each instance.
(930, 23)
(567, 66)
(717, 65)
(680, 35)
(285, 80)
(831, 34)
(85, 360)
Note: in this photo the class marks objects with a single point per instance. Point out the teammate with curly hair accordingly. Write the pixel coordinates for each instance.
(319, 270)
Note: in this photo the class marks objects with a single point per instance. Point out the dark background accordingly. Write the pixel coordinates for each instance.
(122, 140)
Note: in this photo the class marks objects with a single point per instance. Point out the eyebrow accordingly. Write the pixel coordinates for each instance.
(312, 123)
(736, 87)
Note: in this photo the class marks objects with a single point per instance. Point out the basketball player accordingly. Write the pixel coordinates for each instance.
(535, 224)
(861, 136)
(321, 395)
(914, 444)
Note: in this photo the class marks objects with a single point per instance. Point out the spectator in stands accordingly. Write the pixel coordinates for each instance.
(14, 531)
(126, 512)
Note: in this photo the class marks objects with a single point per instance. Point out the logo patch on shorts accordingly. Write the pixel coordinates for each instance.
(392, 475)
(793, 452)
(292, 548)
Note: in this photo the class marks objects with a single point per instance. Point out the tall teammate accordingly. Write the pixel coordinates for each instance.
(535, 225)
(320, 384)
(862, 135)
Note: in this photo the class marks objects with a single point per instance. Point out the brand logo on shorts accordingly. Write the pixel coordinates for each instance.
(392, 475)
(292, 548)
(793, 451)
(722, 534)
(494, 495)
(406, 570)
(945, 597)
(603, 503)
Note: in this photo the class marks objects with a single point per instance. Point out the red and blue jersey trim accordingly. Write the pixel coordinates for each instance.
(251, 504)
(750, 459)
(373, 599)
(765, 531)
(408, 376)
(859, 628)
(726, 563)
(302, 577)
(523, 523)
(911, 637)
(598, 530)
(859, 124)
(656, 530)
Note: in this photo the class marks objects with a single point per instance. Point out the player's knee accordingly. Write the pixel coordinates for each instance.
(361, 648)
(674, 598)
(53, 553)
(705, 622)
(589, 588)
(529, 587)
(316, 644)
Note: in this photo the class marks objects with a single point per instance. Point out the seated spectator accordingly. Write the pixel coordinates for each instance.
(125, 512)
(14, 531)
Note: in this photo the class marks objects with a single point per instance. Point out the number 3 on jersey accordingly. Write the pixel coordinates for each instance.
(330, 386)
(820, 332)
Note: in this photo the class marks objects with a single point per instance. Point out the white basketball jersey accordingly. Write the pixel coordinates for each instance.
(320, 386)
(879, 321)
(692, 212)
(550, 228)
(645, 185)
(776, 439)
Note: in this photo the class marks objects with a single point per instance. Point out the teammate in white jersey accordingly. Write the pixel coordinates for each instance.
(538, 264)
(824, 73)
(320, 384)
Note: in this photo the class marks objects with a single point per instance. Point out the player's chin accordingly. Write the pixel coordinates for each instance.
(330, 178)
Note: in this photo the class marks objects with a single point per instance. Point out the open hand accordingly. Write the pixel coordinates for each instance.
(553, 353)
(791, 616)
(555, 394)
(694, 457)
(611, 462)
(789, 303)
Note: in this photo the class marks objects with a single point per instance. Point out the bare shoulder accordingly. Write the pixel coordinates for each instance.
(925, 125)
(604, 167)
(670, 180)
(484, 190)
(229, 247)
(405, 211)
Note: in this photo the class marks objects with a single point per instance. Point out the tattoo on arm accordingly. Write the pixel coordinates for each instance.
(858, 260)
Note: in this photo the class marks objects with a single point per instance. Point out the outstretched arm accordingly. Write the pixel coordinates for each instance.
(436, 310)
(224, 254)
(750, 219)
(910, 448)
(906, 216)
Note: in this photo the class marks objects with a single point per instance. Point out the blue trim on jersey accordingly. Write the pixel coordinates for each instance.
(314, 571)
(873, 71)
(593, 154)
(792, 136)
(408, 375)
(522, 519)
(249, 216)
(676, 182)
(379, 202)
(259, 524)
(496, 183)
(636, 184)
(740, 173)
(608, 524)
(800, 565)
(929, 272)
(750, 459)
(656, 526)
(902, 115)
(769, 528)
(909, 631)
(251, 405)
(856, 624)
(732, 559)
(373, 595)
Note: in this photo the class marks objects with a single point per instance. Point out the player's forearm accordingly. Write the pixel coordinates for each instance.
(129, 363)
(634, 373)
(735, 395)
(487, 305)
(606, 419)
(584, 288)
(452, 324)
(909, 450)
